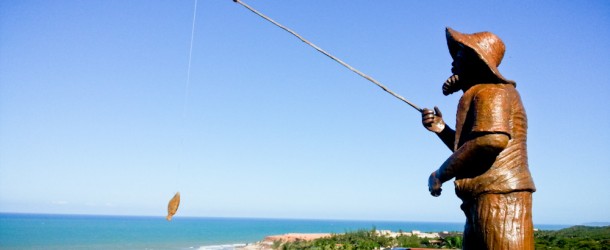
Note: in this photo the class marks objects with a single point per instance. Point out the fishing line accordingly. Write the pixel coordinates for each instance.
(173, 204)
(187, 88)
(331, 56)
(188, 83)
(188, 71)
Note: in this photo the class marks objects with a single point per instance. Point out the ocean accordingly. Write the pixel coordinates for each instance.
(40, 231)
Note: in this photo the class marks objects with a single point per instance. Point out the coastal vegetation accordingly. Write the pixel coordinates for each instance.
(577, 237)
(372, 239)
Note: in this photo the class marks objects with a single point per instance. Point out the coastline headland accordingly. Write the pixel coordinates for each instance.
(270, 241)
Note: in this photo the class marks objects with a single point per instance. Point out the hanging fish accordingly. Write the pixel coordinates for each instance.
(172, 206)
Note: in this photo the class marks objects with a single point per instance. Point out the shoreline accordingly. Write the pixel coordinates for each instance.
(268, 242)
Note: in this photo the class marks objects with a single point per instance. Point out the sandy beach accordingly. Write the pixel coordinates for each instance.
(267, 243)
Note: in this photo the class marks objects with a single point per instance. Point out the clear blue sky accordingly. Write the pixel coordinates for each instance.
(96, 116)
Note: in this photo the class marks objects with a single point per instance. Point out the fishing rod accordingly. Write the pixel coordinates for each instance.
(331, 56)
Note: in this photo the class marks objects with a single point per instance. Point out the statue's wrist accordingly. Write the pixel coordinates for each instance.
(438, 175)
(445, 131)
(442, 126)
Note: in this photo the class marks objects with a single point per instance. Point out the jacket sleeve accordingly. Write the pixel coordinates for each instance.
(492, 111)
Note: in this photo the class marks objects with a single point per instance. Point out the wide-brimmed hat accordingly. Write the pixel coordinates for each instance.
(488, 47)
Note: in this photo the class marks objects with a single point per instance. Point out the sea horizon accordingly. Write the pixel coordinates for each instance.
(271, 218)
(87, 231)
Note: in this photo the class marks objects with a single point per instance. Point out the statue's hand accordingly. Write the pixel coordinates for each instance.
(433, 120)
(434, 185)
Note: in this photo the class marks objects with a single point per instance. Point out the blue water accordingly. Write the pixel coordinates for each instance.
(35, 231)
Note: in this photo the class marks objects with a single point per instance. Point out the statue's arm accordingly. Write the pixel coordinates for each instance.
(489, 135)
(483, 147)
(447, 135)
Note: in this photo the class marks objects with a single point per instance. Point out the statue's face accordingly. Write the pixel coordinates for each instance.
(467, 69)
(465, 63)
(457, 63)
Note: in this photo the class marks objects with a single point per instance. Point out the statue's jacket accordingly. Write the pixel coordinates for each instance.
(493, 108)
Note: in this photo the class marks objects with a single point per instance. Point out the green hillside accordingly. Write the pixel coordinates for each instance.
(576, 237)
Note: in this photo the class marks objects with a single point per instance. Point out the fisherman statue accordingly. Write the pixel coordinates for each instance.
(489, 159)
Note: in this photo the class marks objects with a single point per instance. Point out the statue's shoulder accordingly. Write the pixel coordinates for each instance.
(491, 90)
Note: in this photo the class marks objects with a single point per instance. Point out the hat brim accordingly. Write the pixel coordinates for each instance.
(456, 40)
